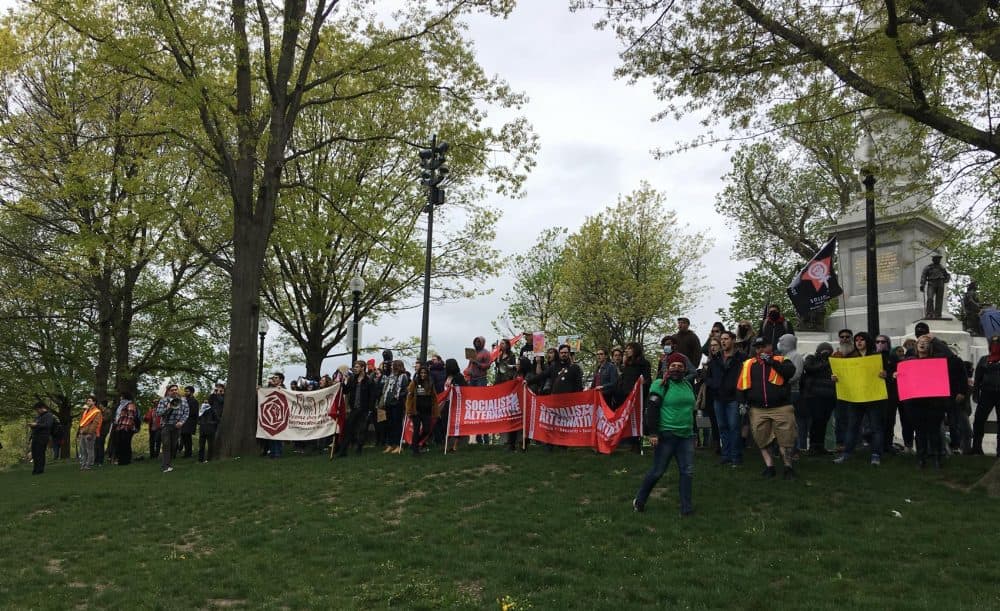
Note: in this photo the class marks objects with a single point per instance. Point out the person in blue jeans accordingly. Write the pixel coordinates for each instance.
(671, 417)
(723, 373)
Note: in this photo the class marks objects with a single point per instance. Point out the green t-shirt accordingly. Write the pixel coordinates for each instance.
(677, 409)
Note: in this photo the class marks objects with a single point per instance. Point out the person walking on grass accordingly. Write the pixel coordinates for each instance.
(763, 384)
(173, 412)
(86, 434)
(670, 418)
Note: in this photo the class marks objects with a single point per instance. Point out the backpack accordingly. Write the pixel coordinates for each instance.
(57, 427)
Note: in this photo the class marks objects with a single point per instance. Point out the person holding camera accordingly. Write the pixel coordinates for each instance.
(763, 382)
(173, 413)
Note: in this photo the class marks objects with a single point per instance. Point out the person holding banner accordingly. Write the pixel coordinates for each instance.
(762, 382)
(928, 408)
(421, 407)
(452, 377)
(874, 409)
(671, 417)
(635, 366)
(606, 378)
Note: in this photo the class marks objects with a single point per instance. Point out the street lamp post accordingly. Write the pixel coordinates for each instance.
(357, 286)
(866, 156)
(434, 172)
(261, 331)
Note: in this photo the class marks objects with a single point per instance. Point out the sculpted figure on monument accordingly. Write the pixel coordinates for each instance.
(972, 308)
(933, 279)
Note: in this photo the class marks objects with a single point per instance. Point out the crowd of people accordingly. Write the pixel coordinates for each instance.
(740, 389)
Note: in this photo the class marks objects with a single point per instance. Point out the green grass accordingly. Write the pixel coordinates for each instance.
(549, 531)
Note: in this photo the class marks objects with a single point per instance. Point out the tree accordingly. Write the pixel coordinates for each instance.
(355, 206)
(628, 271)
(531, 302)
(86, 190)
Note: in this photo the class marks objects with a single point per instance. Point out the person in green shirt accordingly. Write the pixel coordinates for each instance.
(671, 418)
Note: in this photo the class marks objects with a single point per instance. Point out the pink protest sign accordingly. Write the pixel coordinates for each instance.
(922, 378)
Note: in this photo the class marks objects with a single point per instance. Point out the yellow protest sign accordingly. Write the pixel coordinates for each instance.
(858, 380)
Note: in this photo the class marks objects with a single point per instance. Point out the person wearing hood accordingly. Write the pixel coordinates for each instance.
(986, 392)
(125, 426)
(788, 348)
(774, 325)
(818, 391)
(874, 410)
(670, 419)
(744, 337)
(479, 365)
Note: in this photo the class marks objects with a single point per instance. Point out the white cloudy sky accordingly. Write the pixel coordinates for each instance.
(596, 137)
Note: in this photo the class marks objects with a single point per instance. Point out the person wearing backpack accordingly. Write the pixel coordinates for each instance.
(45, 426)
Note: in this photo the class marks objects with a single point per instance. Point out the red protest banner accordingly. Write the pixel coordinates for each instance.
(611, 426)
(484, 410)
(565, 419)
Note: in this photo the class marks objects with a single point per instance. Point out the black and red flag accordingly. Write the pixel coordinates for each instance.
(812, 287)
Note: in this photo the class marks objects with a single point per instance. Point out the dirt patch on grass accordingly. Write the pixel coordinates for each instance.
(38, 512)
(225, 603)
(471, 589)
(191, 544)
(54, 566)
(584, 501)
(394, 516)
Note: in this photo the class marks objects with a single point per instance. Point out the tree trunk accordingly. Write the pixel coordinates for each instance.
(238, 428)
(315, 355)
(105, 331)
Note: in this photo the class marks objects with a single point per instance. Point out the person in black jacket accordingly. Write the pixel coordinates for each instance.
(723, 374)
(208, 424)
(986, 392)
(191, 424)
(819, 393)
(774, 325)
(635, 365)
(763, 384)
(565, 375)
(41, 431)
(360, 392)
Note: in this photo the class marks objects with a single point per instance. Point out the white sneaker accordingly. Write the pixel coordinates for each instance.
(168, 469)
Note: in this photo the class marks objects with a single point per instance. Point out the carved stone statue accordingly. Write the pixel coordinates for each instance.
(972, 309)
(933, 278)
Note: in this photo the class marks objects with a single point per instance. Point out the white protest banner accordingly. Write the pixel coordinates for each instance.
(296, 416)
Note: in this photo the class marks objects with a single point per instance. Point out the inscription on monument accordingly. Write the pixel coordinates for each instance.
(887, 262)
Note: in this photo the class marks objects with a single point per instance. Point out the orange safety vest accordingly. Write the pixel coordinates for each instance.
(89, 415)
(743, 383)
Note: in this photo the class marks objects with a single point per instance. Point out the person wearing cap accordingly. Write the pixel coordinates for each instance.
(669, 421)
(41, 431)
(986, 392)
(763, 385)
(173, 412)
(686, 341)
(933, 278)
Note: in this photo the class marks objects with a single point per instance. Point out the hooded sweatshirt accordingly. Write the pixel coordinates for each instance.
(787, 345)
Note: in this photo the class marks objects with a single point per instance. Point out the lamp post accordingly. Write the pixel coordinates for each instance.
(866, 157)
(434, 172)
(357, 286)
(261, 331)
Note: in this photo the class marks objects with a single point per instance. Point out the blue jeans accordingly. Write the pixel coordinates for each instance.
(670, 446)
(855, 414)
(727, 413)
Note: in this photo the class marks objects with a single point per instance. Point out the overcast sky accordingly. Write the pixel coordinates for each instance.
(595, 135)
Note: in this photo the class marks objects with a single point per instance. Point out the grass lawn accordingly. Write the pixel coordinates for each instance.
(540, 530)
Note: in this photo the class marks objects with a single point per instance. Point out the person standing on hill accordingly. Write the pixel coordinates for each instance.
(125, 425)
(986, 392)
(86, 434)
(763, 382)
(173, 412)
(774, 326)
(686, 342)
(41, 432)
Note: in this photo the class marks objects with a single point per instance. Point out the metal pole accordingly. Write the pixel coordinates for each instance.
(354, 335)
(260, 361)
(425, 321)
(871, 259)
